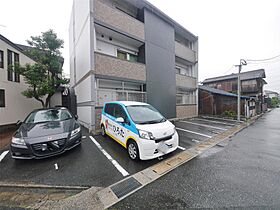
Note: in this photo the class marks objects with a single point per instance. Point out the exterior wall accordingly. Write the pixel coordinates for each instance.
(185, 81)
(214, 104)
(186, 111)
(56, 99)
(17, 106)
(118, 19)
(160, 46)
(114, 67)
(82, 59)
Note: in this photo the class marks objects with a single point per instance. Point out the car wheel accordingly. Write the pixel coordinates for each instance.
(103, 131)
(132, 150)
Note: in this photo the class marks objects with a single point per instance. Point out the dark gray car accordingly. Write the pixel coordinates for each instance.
(45, 133)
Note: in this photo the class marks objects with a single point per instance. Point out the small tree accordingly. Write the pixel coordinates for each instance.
(45, 76)
(274, 102)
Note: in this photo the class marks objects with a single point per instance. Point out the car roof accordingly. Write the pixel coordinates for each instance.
(128, 103)
(51, 108)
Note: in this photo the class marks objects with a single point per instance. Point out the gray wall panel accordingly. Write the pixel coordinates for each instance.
(160, 63)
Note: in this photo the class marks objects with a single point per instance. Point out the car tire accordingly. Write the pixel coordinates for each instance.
(103, 131)
(132, 150)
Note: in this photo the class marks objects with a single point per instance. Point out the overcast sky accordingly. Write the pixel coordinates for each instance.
(227, 30)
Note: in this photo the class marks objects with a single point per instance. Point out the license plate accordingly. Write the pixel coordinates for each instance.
(163, 147)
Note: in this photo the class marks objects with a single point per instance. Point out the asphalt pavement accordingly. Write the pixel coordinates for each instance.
(241, 173)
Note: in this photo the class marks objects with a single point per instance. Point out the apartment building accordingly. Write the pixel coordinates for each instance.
(13, 105)
(130, 50)
(252, 83)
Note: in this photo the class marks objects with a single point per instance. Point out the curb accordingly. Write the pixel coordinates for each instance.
(109, 196)
(40, 186)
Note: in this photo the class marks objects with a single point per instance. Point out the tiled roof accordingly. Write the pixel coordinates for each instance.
(220, 92)
(255, 74)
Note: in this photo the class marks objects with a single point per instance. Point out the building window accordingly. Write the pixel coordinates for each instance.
(10, 63)
(126, 56)
(13, 58)
(2, 98)
(121, 55)
(16, 61)
(185, 97)
(186, 70)
(1, 59)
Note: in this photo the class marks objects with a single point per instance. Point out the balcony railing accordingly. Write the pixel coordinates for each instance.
(185, 99)
(186, 81)
(107, 95)
(184, 52)
(118, 19)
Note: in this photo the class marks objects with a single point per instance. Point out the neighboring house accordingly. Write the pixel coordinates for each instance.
(271, 94)
(252, 83)
(13, 105)
(130, 50)
(217, 102)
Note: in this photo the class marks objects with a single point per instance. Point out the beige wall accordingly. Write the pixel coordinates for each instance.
(184, 52)
(17, 106)
(186, 81)
(110, 66)
(186, 111)
(118, 19)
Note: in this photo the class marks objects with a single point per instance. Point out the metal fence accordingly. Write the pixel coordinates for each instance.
(107, 95)
(185, 99)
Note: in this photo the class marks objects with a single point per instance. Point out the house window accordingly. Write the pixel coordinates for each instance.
(16, 61)
(13, 58)
(2, 98)
(1, 59)
(10, 63)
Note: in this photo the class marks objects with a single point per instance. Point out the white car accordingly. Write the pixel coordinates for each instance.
(140, 128)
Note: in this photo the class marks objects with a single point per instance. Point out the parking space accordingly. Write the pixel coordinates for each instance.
(100, 161)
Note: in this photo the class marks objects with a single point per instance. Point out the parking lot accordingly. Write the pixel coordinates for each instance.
(100, 161)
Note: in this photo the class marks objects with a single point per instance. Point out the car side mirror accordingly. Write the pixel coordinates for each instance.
(19, 122)
(120, 120)
(76, 116)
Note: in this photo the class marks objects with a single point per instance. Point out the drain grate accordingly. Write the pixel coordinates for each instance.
(125, 187)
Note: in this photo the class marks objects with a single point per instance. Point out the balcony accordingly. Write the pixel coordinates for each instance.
(186, 81)
(111, 66)
(118, 20)
(184, 52)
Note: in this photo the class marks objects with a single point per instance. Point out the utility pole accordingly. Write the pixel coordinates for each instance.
(242, 62)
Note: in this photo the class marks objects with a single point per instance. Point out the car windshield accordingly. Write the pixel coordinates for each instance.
(145, 114)
(48, 115)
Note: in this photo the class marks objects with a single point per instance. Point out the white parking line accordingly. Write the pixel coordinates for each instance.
(216, 118)
(213, 121)
(114, 162)
(209, 126)
(3, 155)
(196, 141)
(181, 148)
(200, 134)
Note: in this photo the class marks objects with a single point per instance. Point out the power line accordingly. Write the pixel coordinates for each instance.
(275, 61)
(229, 69)
(266, 59)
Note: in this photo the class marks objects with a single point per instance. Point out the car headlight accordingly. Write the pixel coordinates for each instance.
(146, 135)
(75, 132)
(18, 141)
